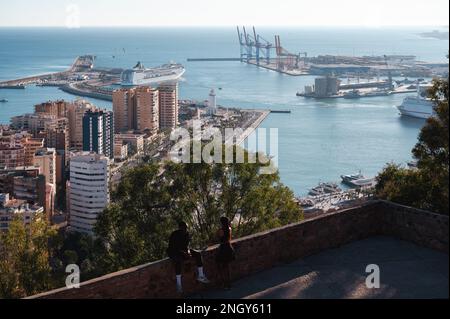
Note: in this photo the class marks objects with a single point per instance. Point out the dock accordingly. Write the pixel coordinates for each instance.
(272, 55)
(251, 126)
(213, 59)
(280, 111)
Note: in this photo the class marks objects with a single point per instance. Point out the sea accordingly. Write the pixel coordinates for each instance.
(317, 142)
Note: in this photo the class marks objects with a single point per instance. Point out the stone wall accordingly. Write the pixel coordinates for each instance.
(265, 250)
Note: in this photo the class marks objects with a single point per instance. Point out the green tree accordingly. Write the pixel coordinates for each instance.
(253, 201)
(133, 229)
(24, 258)
(151, 199)
(428, 186)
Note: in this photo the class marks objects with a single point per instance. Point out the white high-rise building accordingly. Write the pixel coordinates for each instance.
(88, 190)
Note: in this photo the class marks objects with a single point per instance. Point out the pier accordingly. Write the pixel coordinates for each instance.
(212, 59)
(81, 64)
(280, 111)
(258, 117)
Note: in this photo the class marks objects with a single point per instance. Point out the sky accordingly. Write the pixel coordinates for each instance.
(84, 13)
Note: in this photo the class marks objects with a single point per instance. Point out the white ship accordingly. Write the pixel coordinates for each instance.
(418, 106)
(139, 75)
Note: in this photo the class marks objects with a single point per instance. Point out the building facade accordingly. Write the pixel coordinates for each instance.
(98, 133)
(123, 108)
(135, 142)
(168, 106)
(55, 108)
(45, 159)
(136, 110)
(11, 208)
(12, 155)
(27, 183)
(88, 190)
(75, 114)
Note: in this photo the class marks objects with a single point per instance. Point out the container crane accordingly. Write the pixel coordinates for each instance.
(262, 47)
(390, 83)
(290, 60)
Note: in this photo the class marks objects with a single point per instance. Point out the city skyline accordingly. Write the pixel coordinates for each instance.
(82, 13)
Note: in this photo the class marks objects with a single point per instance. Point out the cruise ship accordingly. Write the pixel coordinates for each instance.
(418, 106)
(139, 75)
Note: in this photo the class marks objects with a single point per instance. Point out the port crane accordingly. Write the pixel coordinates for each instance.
(263, 47)
(285, 58)
(245, 45)
(254, 46)
(390, 83)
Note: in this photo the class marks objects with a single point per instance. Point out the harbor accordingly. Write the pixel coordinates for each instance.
(81, 79)
(331, 136)
(273, 55)
(331, 87)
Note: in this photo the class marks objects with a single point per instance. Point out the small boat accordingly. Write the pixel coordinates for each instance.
(365, 183)
(349, 179)
(331, 188)
(316, 191)
(3, 100)
(324, 188)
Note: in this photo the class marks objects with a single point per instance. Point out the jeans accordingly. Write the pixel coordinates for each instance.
(179, 258)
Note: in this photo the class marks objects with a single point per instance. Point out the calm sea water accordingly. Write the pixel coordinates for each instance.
(318, 141)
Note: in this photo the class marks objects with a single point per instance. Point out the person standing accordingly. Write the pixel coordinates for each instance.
(179, 252)
(225, 254)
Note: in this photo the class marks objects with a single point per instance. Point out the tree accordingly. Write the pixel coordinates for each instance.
(133, 229)
(428, 186)
(151, 199)
(254, 201)
(24, 258)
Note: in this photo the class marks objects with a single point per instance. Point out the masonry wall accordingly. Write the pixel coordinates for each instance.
(265, 250)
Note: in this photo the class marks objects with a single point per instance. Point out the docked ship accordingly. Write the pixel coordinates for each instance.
(349, 179)
(418, 106)
(139, 75)
(358, 181)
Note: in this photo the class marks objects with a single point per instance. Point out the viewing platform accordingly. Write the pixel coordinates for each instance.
(323, 257)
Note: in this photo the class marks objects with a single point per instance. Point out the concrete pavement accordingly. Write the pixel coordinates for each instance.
(406, 271)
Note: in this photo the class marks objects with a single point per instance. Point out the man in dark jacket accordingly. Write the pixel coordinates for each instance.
(179, 251)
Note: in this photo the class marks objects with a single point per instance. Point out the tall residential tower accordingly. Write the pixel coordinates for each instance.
(98, 133)
(88, 191)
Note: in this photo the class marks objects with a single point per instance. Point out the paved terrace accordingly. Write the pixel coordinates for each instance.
(406, 271)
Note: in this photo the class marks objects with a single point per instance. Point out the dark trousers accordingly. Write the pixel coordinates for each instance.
(179, 258)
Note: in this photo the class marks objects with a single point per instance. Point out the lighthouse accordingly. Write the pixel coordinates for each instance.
(212, 106)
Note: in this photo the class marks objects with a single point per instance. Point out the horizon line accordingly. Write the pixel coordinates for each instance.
(230, 25)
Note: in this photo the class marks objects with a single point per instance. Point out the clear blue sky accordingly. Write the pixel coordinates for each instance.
(223, 12)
